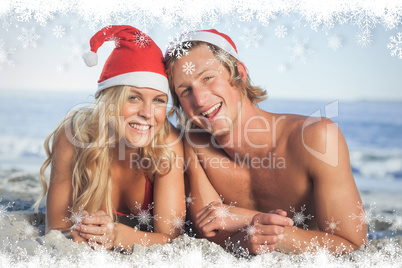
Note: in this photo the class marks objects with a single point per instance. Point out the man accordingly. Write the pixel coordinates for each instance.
(248, 169)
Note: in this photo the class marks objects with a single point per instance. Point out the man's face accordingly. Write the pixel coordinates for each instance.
(205, 94)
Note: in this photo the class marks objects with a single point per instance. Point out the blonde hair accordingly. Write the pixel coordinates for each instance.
(254, 93)
(93, 130)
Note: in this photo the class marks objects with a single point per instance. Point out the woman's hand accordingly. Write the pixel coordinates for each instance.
(98, 229)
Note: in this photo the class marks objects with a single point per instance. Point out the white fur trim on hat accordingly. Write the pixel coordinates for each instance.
(90, 58)
(136, 79)
(213, 39)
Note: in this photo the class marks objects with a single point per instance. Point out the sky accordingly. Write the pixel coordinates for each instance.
(299, 65)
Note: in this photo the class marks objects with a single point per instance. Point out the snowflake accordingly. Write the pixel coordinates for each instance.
(220, 55)
(141, 39)
(115, 41)
(299, 49)
(145, 241)
(59, 31)
(166, 240)
(332, 225)
(178, 46)
(281, 31)
(59, 68)
(75, 218)
(365, 217)
(335, 42)
(245, 13)
(397, 223)
(395, 45)
(178, 222)
(325, 247)
(4, 210)
(211, 61)
(188, 67)
(190, 200)
(28, 37)
(76, 49)
(364, 18)
(142, 18)
(391, 20)
(236, 249)
(144, 217)
(296, 24)
(4, 55)
(223, 212)
(251, 37)
(282, 68)
(363, 39)
(74, 24)
(24, 15)
(250, 230)
(28, 231)
(299, 218)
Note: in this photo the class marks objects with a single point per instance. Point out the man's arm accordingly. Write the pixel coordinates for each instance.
(201, 190)
(337, 201)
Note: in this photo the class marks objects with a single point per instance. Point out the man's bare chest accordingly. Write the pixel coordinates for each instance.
(262, 184)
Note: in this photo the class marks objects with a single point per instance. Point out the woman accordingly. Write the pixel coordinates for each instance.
(114, 165)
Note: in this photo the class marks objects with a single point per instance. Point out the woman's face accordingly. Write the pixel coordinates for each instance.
(142, 115)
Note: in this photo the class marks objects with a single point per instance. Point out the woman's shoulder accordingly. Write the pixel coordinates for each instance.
(64, 139)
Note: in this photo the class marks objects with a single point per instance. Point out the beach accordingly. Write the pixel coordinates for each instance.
(370, 129)
(336, 59)
(24, 244)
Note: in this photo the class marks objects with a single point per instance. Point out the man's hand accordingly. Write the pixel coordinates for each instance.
(98, 229)
(217, 216)
(265, 231)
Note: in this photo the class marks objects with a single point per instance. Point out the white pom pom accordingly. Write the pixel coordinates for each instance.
(90, 58)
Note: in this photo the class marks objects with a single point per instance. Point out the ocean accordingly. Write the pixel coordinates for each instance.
(372, 131)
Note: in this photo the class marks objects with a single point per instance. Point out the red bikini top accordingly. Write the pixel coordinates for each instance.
(148, 198)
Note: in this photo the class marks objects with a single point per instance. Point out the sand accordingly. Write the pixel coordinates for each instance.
(24, 244)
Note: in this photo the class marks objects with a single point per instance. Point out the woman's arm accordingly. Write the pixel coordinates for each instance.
(59, 195)
(169, 193)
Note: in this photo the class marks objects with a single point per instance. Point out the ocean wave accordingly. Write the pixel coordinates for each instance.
(378, 164)
(371, 163)
(18, 146)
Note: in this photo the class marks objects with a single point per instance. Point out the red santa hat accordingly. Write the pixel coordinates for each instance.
(135, 61)
(211, 36)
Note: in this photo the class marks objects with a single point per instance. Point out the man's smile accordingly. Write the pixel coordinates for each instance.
(211, 112)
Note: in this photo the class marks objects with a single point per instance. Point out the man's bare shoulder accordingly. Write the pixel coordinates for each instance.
(288, 126)
(300, 132)
(314, 140)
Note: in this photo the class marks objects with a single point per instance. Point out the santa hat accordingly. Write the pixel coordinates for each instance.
(211, 36)
(135, 61)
